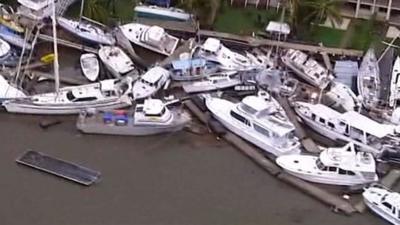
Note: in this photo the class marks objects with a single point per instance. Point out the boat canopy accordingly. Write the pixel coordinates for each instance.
(155, 74)
(278, 27)
(367, 125)
(188, 63)
(153, 106)
(35, 4)
(107, 85)
(155, 34)
(211, 45)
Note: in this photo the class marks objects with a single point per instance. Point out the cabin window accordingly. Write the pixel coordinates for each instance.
(139, 109)
(351, 173)
(85, 99)
(320, 165)
(322, 120)
(331, 125)
(248, 109)
(313, 116)
(387, 205)
(240, 118)
(332, 169)
(70, 96)
(342, 172)
(261, 130)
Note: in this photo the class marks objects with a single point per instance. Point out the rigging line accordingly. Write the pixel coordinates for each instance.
(28, 33)
(30, 53)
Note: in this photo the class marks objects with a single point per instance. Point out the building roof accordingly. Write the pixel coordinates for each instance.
(278, 27)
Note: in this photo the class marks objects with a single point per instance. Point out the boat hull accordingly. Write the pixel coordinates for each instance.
(192, 88)
(161, 13)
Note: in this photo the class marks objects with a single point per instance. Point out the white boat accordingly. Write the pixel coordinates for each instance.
(368, 81)
(213, 50)
(153, 11)
(350, 126)
(90, 66)
(87, 31)
(37, 9)
(307, 68)
(150, 82)
(383, 202)
(104, 95)
(342, 96)
(116, 60)
(335, 166)
(395, 84)
(148, 118)
(191, 69)
(5, 48)
(257, 120)
(14, 38)
(153, 38)
(213, 82)
(7, 91)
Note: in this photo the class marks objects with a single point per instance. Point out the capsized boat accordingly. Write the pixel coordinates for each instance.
(259, 120)
(213, 50)
(14, 38)
(7, 18)
(213, 82)
(153, 11)
(8, 91)
(335, 166)
(148, 118)
(383, 202)
(104, 95)
(368, 81)
(307, 68)
(87, 31)
(191, 69)
(349, 126)
(153, 38)
(116, 60)
(90, 66)
(150, 82)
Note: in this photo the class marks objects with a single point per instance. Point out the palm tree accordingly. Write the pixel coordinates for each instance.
(324, 9)
(203, 10)
(94, 9)
(294, 9)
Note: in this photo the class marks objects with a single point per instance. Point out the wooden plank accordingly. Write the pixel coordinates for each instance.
(69, 44)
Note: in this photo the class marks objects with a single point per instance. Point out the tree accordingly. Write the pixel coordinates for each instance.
(203, 10)
(94, 9)
(324, 9)
(294, 9)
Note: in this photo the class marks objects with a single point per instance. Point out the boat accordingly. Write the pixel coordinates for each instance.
(14, 38)
(383, 202)
(87, 31)
(213, 82)
(8, 91)
(349, 126)
(342, 97)
(335, 166)
(148, 118)
(104, 95)
(153, 38)
(191, 69)
(13, 58)
(7, 18)
(213, 50)
(39, 9)
(150, 82)
(155, 12)
(90, 66)
(5, 49)
(259, 120)
(395, 84)
(368, 80)
(116, 60)
(307, 68)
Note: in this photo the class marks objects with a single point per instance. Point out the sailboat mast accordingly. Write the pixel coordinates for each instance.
(81, 12)
(55, 48)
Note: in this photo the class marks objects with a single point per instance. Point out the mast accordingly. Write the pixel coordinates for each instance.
(55, 48)
(81, 12)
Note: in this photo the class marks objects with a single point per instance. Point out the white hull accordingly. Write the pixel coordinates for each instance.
(368, 80)
(221, 111)
(135, 31)
(86, 31)
(90, 66)
(14, 39)
(395, 83)
(9, 92)
(375, 198)
(159, 12)
(5, 48)
(116, 60)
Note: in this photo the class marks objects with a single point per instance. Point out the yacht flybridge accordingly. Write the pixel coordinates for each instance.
(259, 120)
(349, 126)
(336, 166)
(307, 68)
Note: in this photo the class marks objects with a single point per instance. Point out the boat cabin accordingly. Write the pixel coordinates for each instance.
(188, 67)
(211, 45)
(154, 77)
(152, 111)
(153, 36)
(350, 124)
(36, 9)
(255, 112)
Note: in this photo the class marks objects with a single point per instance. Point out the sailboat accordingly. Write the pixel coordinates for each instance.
(7, 91)
(395, 83)
(104, 95)
(368, 81)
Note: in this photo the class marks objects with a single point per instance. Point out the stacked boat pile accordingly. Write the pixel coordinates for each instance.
(134, 101)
